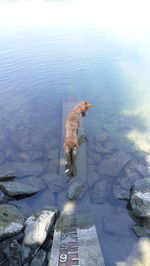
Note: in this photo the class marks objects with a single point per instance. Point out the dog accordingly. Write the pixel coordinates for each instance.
(71, 144)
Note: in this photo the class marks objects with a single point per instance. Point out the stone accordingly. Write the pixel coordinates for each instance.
(75, 190)
(117, 222)
(24, 206)
(52, 166)
(38, 225)
(120, 193)
(92, 177)
(137, 166)
(3, 259)
(43, 198)
(140, 198)
(139, 230)
(39, 259)
(11, 221)
(112, 164)
(53, 154)
(33, 181)
(75, 242)
(14, 188)
(100, 191)
(127, 181)
(31, 155)
(24, 168)
(96, 157)
(12, 250)
(54, 182)
(4, 198)
(8, 176)
(25, 253)
(102, 136)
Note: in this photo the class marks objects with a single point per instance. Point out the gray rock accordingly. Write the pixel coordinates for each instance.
(7, 176)
(4, 198)
(53, 154)
(137, 166)
(12, 250)
(11, 221)
(52, 166)
(25, 253)
(24, 206)
(38, 225)
(120, 193)
(111, 165)
(39, 259)
(75, 190)
(92, 177)
(100, 191)
(139, 230)
(33, 181)
(95, 156)
(24, 168)
(54, 182)
(13, 188)
(43, 198)
(31, 155)
(140, 198)
(127, 181)
(117, 222)
(103, 135)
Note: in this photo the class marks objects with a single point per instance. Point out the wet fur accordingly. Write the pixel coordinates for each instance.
(71, 139)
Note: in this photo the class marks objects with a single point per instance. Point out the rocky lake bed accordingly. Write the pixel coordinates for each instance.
(31, 189)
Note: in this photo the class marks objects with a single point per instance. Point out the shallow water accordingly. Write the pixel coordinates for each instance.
(54, 50)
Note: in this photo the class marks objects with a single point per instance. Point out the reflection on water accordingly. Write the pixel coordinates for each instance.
(54, 50)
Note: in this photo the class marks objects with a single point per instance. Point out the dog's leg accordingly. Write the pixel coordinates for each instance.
(68, 155)
(74, 154)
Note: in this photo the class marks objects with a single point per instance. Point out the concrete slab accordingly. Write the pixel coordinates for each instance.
(75, 242)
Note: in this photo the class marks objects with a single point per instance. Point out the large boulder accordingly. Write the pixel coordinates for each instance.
(13, 188)
(11, 221)
(112, 164)
(38, 225)
(140, 198)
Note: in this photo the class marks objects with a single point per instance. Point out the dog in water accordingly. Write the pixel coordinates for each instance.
(71, 144)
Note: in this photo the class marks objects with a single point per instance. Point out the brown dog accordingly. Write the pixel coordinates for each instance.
(71, 139)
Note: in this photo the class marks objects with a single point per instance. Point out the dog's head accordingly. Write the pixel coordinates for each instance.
(85, 106)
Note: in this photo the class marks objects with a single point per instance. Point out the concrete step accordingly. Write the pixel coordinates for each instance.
(75, 242)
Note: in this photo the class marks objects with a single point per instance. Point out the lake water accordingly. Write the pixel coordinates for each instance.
(51, 51)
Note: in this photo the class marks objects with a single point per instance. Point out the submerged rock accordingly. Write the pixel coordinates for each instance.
(54, 182)
(120, 193)
(140, 198)
(100, 191)
(75, 190)
(11, 221)
(112, 164)
(38, 225)
(139, 230)
(13, 188)
(8, 176)
(39, 259)
(12, 250)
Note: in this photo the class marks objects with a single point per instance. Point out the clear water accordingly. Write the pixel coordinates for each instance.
(91, 50)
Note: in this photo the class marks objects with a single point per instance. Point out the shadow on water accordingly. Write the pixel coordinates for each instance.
(117, 129)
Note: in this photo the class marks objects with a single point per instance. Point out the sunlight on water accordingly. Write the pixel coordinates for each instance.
(140, 255)
(123, 17)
